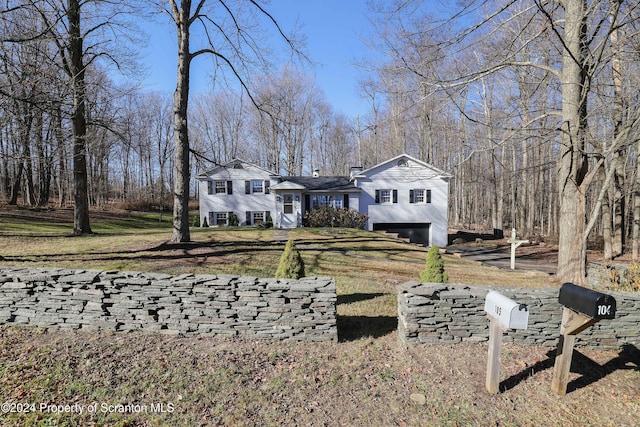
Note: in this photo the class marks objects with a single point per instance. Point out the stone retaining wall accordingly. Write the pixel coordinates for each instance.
(188, 304)
(600, 275)
(431, 313)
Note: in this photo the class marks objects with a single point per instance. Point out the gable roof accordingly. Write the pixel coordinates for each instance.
(233, 164)
(322, 183)
(436, 172)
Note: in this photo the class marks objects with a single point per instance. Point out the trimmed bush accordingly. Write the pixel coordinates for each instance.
(332, 217)
(233, 220)
(434, 268)
(291, 265)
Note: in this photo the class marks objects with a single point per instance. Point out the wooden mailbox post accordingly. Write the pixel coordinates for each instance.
(504, 313)
(582, 308)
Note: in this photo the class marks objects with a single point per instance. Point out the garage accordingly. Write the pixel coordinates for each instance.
(415, 232)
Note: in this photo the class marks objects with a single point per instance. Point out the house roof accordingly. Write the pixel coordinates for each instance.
(233, 164)
(437, 172)
(324, 184)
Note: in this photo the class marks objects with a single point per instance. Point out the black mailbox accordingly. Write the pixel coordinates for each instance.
(588, 302)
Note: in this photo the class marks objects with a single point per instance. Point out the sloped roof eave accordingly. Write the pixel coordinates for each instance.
(235, 160)
(288, 185)
(437, 172)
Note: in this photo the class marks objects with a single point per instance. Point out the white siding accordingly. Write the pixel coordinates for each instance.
(411, 175)
(237, 202)
(403, 179)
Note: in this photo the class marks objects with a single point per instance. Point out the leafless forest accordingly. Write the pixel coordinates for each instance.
(531, 105)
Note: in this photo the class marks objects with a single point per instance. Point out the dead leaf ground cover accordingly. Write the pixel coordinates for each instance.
(368, 378)
(369, 381)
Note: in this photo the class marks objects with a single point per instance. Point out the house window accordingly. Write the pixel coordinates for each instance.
(258, 218)
(288, 204)
(218, 218)
(221, 187)
(221, 218)
(257, 186)
(385, 196)
(420, 195)
(333, 201)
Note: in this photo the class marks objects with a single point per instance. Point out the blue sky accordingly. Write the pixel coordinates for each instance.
(333, 29)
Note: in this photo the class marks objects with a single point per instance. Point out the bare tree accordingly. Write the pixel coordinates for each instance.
(219, 127)
(233, 43)
(569, 43)
(83, 33)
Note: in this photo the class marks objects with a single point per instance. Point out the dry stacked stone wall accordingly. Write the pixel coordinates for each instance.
(209, 305)
(431, 313)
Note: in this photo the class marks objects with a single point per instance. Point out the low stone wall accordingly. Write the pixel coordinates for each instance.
(432, 313)
(600, 275)
(188, 304)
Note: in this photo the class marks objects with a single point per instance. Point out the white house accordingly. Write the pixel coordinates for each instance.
(403, 195)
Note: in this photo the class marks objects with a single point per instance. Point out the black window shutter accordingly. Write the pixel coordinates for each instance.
(247, 187)
(346, 201)
(210, 187)
(395, 196)
(428, 196)
(377, 196)
(229, 187)
(307, 203)
(248, 217)
(267, 187)
(267, 215)
(411, 196)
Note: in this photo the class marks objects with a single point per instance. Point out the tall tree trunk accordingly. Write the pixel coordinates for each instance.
(619, 154)
(44, 163)
(180, 132)
(573, 162)
(81, 210)
(60, 149)
(15, 188)
(606, 218)
(636, 210)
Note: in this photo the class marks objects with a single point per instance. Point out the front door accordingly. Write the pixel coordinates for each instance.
(289, 211)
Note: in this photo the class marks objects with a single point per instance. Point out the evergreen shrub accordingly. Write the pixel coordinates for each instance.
(233, 220)
(434, 269)
(291, 264)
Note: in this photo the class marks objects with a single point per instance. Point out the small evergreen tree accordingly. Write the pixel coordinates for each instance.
(434, 268)
(204, 222)
(233, 220)
(291, 265)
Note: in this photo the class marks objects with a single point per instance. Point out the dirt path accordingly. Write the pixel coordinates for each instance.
(531, 258)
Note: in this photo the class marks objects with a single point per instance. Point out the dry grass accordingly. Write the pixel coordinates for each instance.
(368, 381)
(368, 378)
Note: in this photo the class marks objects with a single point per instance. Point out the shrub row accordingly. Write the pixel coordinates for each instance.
(335, 217)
